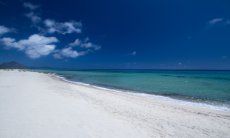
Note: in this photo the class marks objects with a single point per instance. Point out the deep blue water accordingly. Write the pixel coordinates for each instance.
(207, 86)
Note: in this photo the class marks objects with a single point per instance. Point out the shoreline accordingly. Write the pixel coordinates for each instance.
(212, 105)
(38, 105)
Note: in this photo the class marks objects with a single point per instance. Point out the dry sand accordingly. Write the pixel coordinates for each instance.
(37, 105)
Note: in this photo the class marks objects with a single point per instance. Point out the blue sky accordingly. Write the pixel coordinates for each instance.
(128, 34)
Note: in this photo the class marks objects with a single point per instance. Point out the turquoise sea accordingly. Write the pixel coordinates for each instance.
(200, 86)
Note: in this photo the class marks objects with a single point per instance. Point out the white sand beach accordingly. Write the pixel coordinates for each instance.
(37, 105)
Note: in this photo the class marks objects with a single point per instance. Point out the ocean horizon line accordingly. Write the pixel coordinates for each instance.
(153, 69)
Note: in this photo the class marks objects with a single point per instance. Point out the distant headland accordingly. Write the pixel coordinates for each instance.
(12, 65)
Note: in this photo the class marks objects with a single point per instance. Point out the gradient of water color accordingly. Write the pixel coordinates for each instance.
(207, 86)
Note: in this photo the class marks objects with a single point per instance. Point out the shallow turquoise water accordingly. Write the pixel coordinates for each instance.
(210, 86)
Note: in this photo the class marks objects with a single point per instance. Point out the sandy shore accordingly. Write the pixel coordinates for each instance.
(38, 105)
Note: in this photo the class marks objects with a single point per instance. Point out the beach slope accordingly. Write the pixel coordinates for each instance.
(37, 105)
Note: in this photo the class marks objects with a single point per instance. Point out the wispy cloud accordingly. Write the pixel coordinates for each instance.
(33, 17)
(53, 26)
(4, 30)
(49, 25)
(219, 21)
(34, 47)
(133, 53)
(39, 45)
(215, 21)
(87, 44)
(30, 5)
(77, 42)
(69, 53)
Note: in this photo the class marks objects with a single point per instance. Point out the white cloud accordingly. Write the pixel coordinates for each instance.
(33, 17)
(41, 50)
(35, 46)
(10, 43)
(133, 53)
(77, 42)
(4, 30)
(69, 53)
(85, 44)
(216, 21)
(62, 28)
(57, 56)
(30, 6)
(90, 45)
(32, 14)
